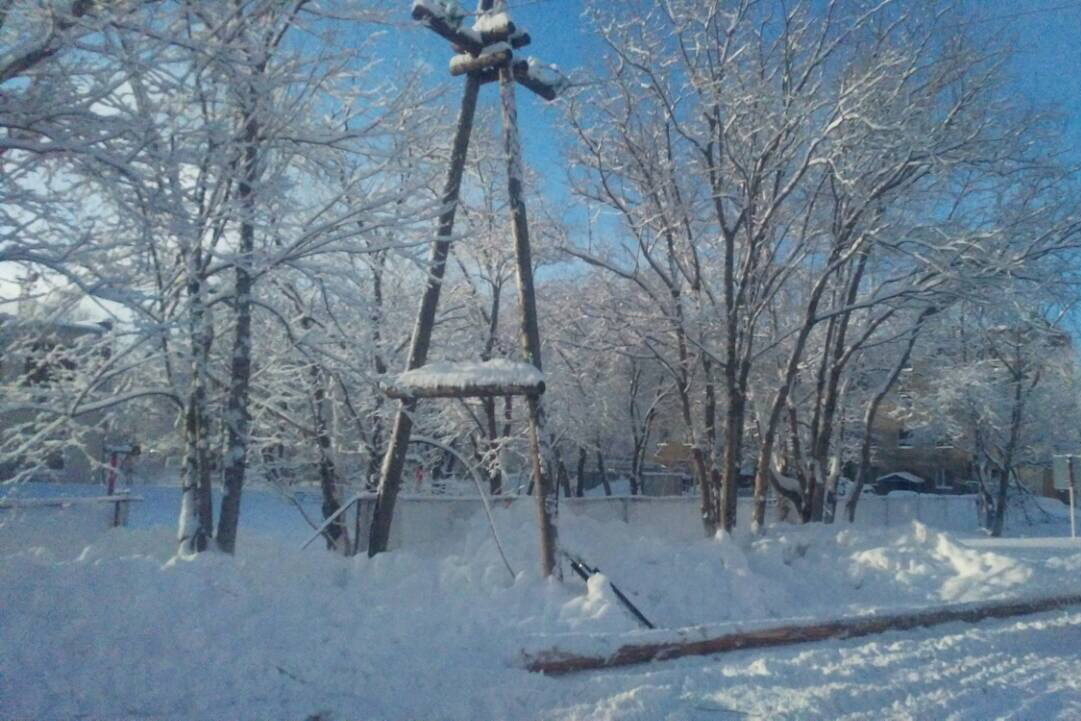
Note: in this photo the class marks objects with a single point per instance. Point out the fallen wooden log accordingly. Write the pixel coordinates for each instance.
(557, 662)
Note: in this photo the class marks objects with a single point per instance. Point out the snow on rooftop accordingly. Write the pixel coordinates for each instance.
(445, 374)
(903, 476)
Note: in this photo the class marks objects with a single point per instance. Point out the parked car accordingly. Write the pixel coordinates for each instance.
(900, 481)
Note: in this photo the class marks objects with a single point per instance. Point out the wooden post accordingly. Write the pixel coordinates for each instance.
(1073, 514)
(546, 491)
(394, 460)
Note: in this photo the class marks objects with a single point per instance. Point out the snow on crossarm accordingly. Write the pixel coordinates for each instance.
(498, 377)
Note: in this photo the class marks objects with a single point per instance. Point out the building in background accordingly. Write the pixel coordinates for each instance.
(38, 355)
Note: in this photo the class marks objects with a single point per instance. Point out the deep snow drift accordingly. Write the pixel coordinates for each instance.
(108, 624)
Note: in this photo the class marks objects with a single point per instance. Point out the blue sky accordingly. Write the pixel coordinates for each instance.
(1046, 70)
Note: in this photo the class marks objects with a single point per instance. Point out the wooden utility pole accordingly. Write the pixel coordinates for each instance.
(394, 460)
(547, 492)
(485, 54)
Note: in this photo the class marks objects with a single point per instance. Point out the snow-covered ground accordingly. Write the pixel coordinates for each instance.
(107, 624)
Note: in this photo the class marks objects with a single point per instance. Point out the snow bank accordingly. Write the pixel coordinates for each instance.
(422, 521)
(110, 625)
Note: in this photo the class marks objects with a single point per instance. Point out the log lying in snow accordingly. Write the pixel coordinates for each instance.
(468, 380)
(558, 662)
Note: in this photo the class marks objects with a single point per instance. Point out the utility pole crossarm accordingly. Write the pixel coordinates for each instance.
(488, 46)
(546, 87)
(544, 80)
(439, 17)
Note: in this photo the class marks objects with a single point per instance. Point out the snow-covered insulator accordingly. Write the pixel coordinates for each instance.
(445, 17)
(448, 12)
(519, 38)
(545, 80)
(494, 27)
(494, 56)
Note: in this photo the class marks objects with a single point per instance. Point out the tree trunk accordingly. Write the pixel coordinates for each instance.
(562, 476)
(196, 507)
(1016, 418)
(380, 368)
(197, 503)
(763, 472)
(491, 442)
(603, 473)
(872, 413)
(237, 418)
(580, 488)
(733, 442)
(337, 533)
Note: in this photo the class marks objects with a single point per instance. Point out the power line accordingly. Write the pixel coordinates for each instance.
(524, 3)
(1009, 16)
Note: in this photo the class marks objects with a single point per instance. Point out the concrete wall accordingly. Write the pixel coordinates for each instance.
(426, 520)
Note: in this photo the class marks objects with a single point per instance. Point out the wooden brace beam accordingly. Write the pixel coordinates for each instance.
(462, 64)
(465, 39)
(494, 390)
(521, 74)
(539, 87)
